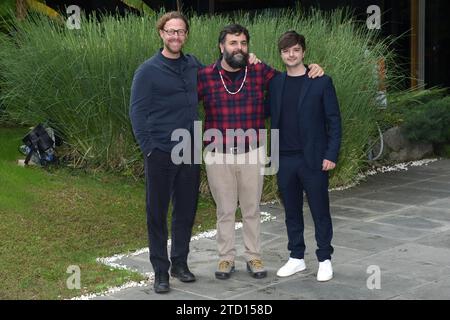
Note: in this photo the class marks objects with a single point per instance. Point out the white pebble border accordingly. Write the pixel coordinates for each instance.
(111, 262)
(265, 216)
(396, 167)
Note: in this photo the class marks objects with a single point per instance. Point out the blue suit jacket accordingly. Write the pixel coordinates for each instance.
(318, 117)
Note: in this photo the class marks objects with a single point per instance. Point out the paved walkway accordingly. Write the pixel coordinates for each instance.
(398, 222)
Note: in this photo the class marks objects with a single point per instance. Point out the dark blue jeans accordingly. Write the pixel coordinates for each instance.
(167, 181)
(294, 177)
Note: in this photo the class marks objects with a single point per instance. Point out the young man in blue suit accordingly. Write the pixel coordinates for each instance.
(306, 112)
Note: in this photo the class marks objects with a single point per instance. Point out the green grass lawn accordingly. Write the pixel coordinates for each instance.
(52, 219)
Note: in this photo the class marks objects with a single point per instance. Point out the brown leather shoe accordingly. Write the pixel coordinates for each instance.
(256, 269)
(224, 269)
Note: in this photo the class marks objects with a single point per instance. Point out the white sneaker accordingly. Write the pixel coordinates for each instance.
(291, 267)
(325, 272)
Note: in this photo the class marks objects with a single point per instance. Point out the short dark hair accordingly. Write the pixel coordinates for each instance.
(233, 29)
(169, 16)
(290, 39)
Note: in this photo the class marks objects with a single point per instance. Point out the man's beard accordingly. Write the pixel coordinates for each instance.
(234, 60)
(167, 46)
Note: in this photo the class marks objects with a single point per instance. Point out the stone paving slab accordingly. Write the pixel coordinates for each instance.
(420, 253)
(442, 203)
(438, 240)
(364, 241)
(342, 211)
(391, 283)
(378, 207)
(388, 231)
(411, 222)
(442, 178)
(431, 185)
(406, 196)
(309, 289)
(208, 286)
(420, 271)
(146, 293)
(267, 293)
(436, 290)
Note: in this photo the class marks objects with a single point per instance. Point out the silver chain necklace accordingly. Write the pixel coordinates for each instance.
(240, 88)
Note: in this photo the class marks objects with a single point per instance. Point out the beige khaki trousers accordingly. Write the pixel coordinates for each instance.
(237, 179)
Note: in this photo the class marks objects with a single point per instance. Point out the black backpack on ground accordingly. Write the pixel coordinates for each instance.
(39, 142)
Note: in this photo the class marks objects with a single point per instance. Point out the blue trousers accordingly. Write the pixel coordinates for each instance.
(167, 181)
(294, 177)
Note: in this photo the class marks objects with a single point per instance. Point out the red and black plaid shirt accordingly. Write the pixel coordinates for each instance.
(244, 110)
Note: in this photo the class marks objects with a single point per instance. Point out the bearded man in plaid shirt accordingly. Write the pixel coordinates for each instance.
(232, 91)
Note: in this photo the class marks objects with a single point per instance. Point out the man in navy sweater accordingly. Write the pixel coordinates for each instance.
(163, 99)
(306, 112)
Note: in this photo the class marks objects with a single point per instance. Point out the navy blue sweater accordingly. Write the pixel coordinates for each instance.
(163, 98)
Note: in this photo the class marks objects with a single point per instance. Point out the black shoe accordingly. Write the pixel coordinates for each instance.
(181, 272)
(161, 284)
